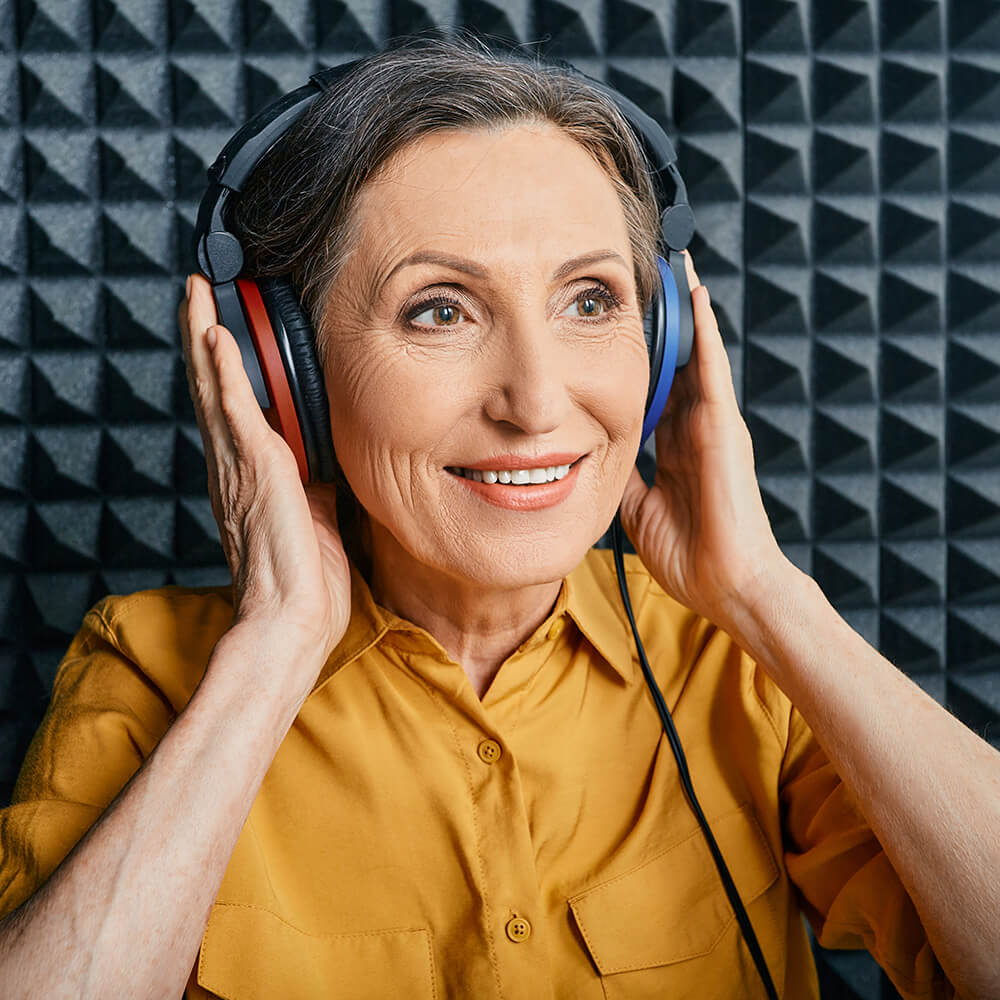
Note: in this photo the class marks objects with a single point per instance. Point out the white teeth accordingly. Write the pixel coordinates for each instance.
(518, 477)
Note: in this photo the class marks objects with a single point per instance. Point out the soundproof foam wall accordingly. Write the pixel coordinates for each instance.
(843, 161)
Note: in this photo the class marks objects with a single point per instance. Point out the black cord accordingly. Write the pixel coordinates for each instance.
(668, 724)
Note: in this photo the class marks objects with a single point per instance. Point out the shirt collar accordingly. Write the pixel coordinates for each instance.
(594, 604)
(589, 596)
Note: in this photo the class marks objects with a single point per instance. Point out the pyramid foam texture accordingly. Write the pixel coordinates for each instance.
(843, 162)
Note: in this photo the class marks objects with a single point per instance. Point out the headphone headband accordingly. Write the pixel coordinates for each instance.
(219, 253)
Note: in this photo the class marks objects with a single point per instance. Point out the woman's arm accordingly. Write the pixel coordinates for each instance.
(928, 786)
(124, 914)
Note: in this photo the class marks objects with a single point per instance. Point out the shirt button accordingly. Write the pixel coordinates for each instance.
(556, 629)
(518, 929)
(489, 751)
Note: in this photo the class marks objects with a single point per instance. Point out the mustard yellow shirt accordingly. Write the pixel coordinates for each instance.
(411, 841)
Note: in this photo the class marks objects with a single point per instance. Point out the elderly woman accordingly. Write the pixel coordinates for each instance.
(433, 769)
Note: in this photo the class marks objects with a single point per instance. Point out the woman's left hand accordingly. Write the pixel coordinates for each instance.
(702, 530)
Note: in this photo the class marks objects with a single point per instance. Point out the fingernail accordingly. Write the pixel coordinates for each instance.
(210, 337)
(187, 287)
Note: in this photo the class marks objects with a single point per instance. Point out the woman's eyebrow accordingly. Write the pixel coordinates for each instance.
(479, 271)
(585, 259)
(436, 257)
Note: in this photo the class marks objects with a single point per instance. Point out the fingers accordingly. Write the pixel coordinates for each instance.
(709, 354)
(202, 379)
(238, 406)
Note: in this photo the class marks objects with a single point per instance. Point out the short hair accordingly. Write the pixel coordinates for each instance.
(294, 215)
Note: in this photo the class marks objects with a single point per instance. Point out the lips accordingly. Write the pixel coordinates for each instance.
(532, 483)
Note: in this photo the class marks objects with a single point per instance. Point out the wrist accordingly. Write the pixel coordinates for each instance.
(270, 658)
(759, 606)
(291, 627)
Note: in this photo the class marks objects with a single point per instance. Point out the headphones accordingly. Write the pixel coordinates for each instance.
(274, 332)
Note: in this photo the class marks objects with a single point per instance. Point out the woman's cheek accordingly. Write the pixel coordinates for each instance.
(389, 411)
(620, 382)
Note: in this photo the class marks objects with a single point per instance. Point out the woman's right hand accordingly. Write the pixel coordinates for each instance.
(280, 538)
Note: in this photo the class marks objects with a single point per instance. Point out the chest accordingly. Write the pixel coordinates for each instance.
(542, 839)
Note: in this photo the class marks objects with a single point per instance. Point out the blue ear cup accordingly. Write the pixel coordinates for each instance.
(669, 329)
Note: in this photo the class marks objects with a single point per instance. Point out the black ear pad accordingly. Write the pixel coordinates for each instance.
(685, 319)
(296, 342)
(654, 329)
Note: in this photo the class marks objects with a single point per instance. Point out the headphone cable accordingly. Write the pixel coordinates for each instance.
(617, 533)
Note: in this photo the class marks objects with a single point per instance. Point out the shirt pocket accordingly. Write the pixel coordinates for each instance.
(656, 926)
(250, 953)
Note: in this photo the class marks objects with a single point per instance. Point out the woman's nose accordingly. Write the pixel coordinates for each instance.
(528, 378)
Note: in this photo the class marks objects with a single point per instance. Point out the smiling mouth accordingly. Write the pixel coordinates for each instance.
(536, 476)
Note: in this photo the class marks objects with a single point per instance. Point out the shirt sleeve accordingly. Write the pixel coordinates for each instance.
(849, 891)
(103, 719)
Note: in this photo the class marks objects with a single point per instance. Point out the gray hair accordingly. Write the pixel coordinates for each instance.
(295, 217)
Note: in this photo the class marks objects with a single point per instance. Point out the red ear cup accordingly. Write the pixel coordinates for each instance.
(281, 415)
(296, 340)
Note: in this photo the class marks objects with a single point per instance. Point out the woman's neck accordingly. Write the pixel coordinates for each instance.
(478, 627)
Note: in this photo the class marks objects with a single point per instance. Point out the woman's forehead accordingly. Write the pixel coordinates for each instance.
(521, 184)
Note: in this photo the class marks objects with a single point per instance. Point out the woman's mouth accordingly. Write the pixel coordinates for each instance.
(520, 486)
(516, 477)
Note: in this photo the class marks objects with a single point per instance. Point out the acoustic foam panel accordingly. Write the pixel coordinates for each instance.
(843, 162)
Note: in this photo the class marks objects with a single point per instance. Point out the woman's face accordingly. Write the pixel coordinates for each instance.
(488, 322)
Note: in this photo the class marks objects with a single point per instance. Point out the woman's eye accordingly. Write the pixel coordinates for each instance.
(440, 313)
(592, 302)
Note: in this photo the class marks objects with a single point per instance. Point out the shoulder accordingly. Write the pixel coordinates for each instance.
(129, 670)
(164, 634)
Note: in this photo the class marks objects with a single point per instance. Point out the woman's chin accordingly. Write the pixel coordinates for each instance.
(497, 550)
(518, 562)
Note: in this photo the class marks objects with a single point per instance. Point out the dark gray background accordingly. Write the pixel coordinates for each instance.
(842, 159)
